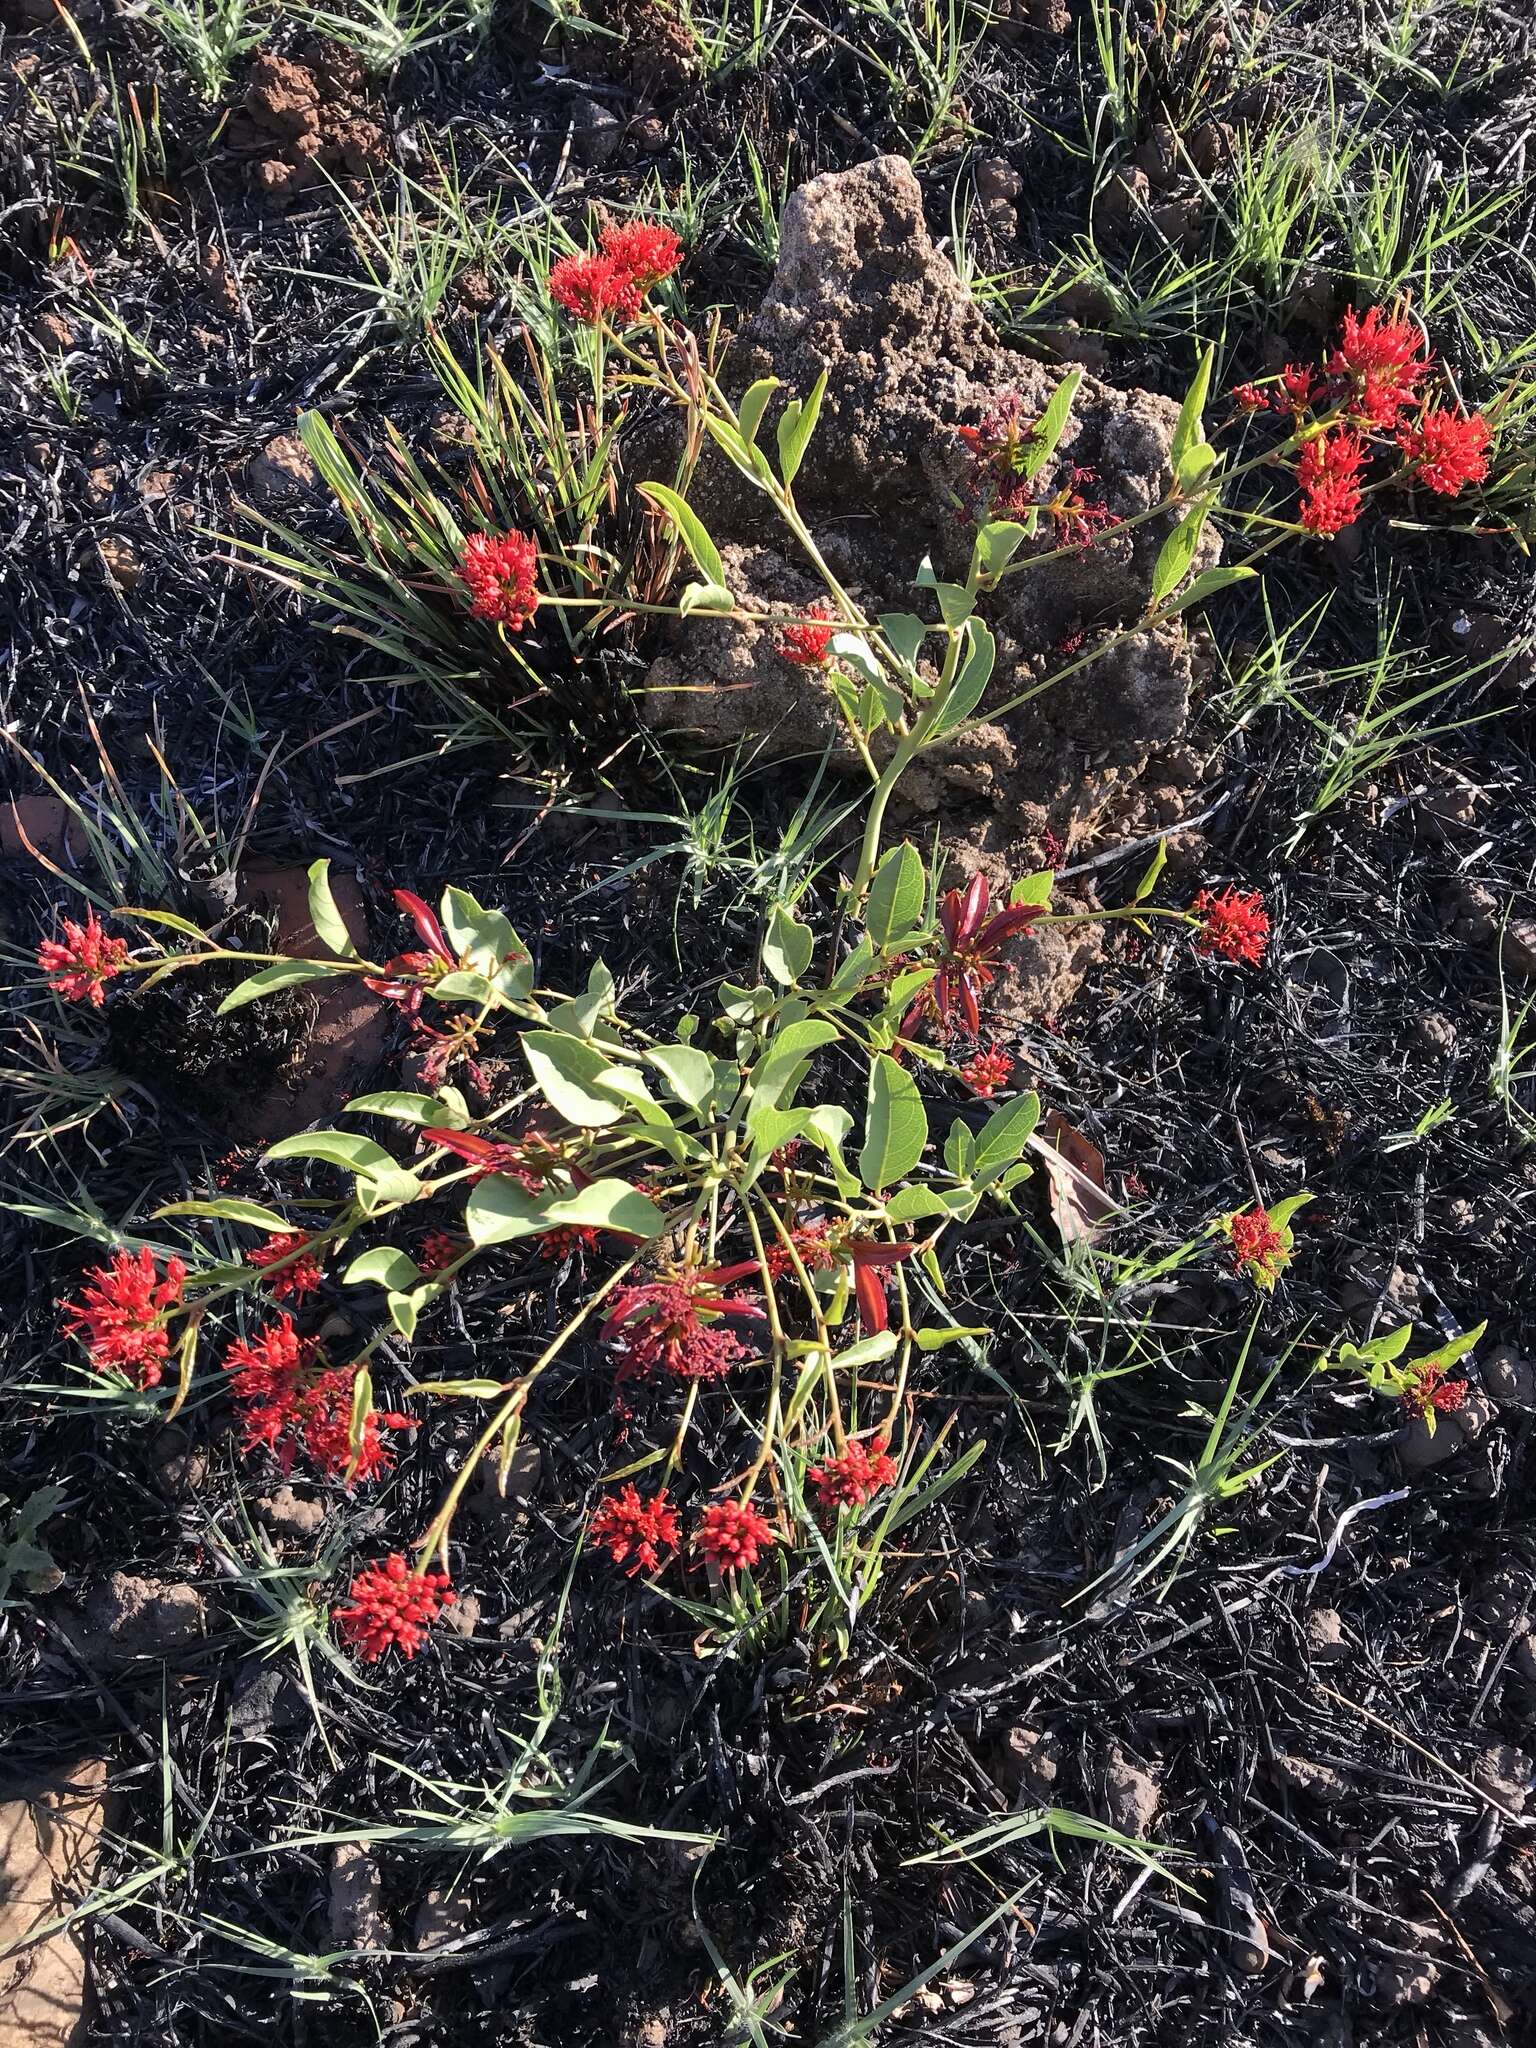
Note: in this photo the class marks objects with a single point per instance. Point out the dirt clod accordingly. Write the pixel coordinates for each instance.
(291, 1517)
(1131, 1794)
(355, 1918)
(128, 1617)
(1326, 1641)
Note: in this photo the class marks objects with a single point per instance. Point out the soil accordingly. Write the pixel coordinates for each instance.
(1329, 1709)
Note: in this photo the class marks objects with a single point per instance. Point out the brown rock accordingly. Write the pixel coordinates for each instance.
(1506, 1774)
(1131, 1794)
(1517, 946)
(1028, 1762)
(48, 1854)
(1326, 1641)
(121, 561)
(54, 332)
(1402, 1980)
(128, 1617)
(355, 1919)
(1509, 1379)
(282, 473)
(1473, 913)
(1436, 1031)
(462, 1617)
(488, 1501)
(290, 1517)
(442, 1916)
(1302, 1775)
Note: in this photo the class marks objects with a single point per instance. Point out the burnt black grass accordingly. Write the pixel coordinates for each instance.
(1317, 1788)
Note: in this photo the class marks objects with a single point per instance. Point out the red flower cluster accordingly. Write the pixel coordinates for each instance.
(806, 642)
(438, 1250)
(671, 1324)
(815, 1243)
(120, 1317)
(80, 965)
(632, 257)
(1236, 926)
(856, 1476)
(530, 1160)
(732, 1535)
(1432, 1391)
(634, 1531)
(500, 572)
(971, 942)
(392, 1606)
(1329, 476)
(988, 1071)
(567, 1238)
(290, 1406)
(1257, 1247)
(1077, 518)
(1378, 365)
(1450, 449)
(302, 1275)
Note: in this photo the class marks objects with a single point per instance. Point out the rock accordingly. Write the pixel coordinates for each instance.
(651, 2032)
(462, 1616)
(1506, 1774)
(1302, 1775)
(1421, 1448)
(49, 1841)
(487, 1501)
(1131, 1794)
(862, 294)
(1326, 1641)
(282, 473)
(1508, 1378)
(998, 186)
(54, 332)
(1048, 17)
(355, 1919)
(1473, 913)
(265, 1701)
(1402, 1980)
(1505, 1601)
(290, 1517)
(1517, 946)
(596, 133)
(1435, 1031)
(1027, 1762)
(121, 561)
(442, 1916)
(180, 1466)
(128, 1617)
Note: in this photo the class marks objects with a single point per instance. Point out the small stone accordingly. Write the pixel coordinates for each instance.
(121, 561)
(650, 133)
(289, 1516)
(1505, 1773)
(129, 1617)
(180, 1467)
(1302, 1775)
(1505, 1601)
(442, 1916)
(488, 1500)
(462, 1616)
(1461, 1216)
(1517, 947)
(1028, 1761)
(1509, 1379)
(1473, 913)
(1436, 1031)
(1421, 1448)
(53, 332)
(1475, 1414)
(355, 1919)
(1131, 1794)
(651, 2032)
(596, 132)
(282, 472)
(1326, 1642)
(1401, 1980)
(101, 486)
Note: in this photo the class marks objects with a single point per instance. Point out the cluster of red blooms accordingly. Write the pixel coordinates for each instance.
(1257, 1247)
(290, 1405)
(1432, 1392)
(392, 1607)
(120, 1317)
(302, 1274)
(807, 641)
(672, 1324)
(567, 1238)
(408, 975)
(438, 1250)
(637, 1532)
(80, 965)
(821, 1246)
(500, 571)
(530, 1160)
(1236, 926)
(816, 1247)
(855, 1476)
(1374, 377)
(614, 279)
(971, 940)
(988, 1071)
(998, 488)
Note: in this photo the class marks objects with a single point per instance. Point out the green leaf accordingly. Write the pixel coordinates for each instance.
(168, 918)
(403, 1312)
(960, 1149)
(1034, 888)
(1155, 867)
(952, 1333)
(230, 1209)
(895, 1125)
(911, 1205)
(995, 546)
(706, 556)
(1189, 434)
(483, 940)
(384, 1266)
(788, 947)
(691, 1075)
(1005, 1134)
(868, 1351)
(608, 1205)
(1053, 424)
(896, 895)
(904, 633)
(705, 597)
(797, 423)
(330, 926)
(499, 1210)
(265, 982)
(336, 1148)
(405, 1108)
(975, 673)
(854, 971)
(462, 986)
(574, 1078)
(1177, 552)
(1206, 584)
(754, 403)
(787, 1053)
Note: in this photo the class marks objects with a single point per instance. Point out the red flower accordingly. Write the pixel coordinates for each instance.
(806, 642)
(1449, 448)
(515, 1158)
(391, 1606)
(868, 1259)
(567, 1238)
(816, 1244)
(634, 1532)
(120, 1317)
(732, 1535)
(670, 1324)
(988, 1071)
(592, 287)
(853, 1478)
(1328, 474)
(1298, 385)
(1249, 398)
(1432, 1390)
(288, 1406)
(1379, 360)
(644, 250)
(1257, 1246)
(1236, 926)
(80, 965)
(300, 1276)
(408, 974)
(970, 943)
(500, 572)
(1078, 518)
(438, 1250)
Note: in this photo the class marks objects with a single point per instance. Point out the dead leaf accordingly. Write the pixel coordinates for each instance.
(1074, 1173)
